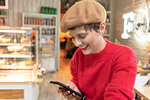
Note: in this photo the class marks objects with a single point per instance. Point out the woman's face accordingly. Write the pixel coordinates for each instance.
(90, 42)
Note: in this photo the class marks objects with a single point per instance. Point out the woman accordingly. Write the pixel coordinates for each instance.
(101, 70)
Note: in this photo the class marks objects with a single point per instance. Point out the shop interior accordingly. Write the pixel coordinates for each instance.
(34, 51)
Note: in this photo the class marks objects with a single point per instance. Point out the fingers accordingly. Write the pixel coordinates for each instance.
(68, 95)
(60, 90)
(73, 97)
(73, 86)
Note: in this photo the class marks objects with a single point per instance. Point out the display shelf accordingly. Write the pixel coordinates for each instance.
(48, 35)
(49, 47)
(39, 26)
(17, 48)
(108, 29)
(16, 44)
(47, 27)
(3, 16)
(39, 20)
(4, 67)
(15, 56)
(51, 53)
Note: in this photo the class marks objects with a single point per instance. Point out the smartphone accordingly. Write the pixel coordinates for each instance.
(66, 88)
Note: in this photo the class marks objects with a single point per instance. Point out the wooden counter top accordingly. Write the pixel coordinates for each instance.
(144, 92)
(143, 71)
(18, 76)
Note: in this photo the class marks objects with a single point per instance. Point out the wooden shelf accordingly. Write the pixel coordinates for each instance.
(48, 35)
(49, 26)
(2, 16)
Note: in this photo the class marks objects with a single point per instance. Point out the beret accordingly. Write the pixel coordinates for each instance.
(81, 13)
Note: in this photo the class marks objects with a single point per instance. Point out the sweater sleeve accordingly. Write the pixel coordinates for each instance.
(123, 77)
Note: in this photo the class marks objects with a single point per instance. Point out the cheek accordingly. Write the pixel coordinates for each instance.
(89, 40)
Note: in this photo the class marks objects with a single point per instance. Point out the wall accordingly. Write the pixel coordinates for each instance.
(17, 7)
(125, 7)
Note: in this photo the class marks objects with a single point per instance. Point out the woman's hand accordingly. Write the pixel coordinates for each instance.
(67, 94)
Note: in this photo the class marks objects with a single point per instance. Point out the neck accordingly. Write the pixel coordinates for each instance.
(103, 44)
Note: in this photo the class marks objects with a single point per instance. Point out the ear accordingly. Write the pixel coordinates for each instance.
(102, 28)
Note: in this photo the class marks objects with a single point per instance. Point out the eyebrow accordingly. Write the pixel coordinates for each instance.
(70, 34)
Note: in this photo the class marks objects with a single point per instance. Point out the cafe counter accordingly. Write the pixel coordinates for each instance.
(19, 84)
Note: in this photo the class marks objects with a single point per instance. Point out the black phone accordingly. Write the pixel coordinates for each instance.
(66, 88)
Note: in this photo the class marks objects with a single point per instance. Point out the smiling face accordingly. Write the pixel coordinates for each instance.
(89, 41)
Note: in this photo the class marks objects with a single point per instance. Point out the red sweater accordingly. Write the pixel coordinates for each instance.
(107, 75)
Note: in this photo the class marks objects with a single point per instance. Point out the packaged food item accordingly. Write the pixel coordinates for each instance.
(25, 20)
(1, 22)
(2, 50)
(5, 40)
(148, 46)
(46, 49)
(26, 63)
(49, 42)
(15, 48)
(2, 62)
(25, 40)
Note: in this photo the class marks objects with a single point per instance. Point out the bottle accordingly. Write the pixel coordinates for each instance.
(107, 19)
(25, 20)
(139, 63)
(53, 30)
(34, 72)
(28, 20)
(15, 40)
(47, 22)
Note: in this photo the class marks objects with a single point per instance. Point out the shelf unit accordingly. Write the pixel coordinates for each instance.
(3, 12)
(48, 50)
(108, 30)
(107, 33)
(17, 44)
(16, 49)
(47, 27)
(2, 16)
(39, 20)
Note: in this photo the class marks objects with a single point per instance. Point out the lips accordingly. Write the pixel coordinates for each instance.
(84, 48)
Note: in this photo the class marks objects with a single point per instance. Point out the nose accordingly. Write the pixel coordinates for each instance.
(77, 42)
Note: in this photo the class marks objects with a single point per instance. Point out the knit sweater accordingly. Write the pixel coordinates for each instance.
(107, 75)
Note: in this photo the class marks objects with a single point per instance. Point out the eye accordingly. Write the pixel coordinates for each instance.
(82, 36)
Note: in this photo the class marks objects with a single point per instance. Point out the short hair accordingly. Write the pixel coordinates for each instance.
(94, 26)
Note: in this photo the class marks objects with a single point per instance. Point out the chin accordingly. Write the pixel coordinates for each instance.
(86, 52)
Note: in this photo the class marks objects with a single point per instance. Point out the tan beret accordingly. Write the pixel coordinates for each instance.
(81, 13)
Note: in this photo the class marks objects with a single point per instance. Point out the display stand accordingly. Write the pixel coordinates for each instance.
(47, 27)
